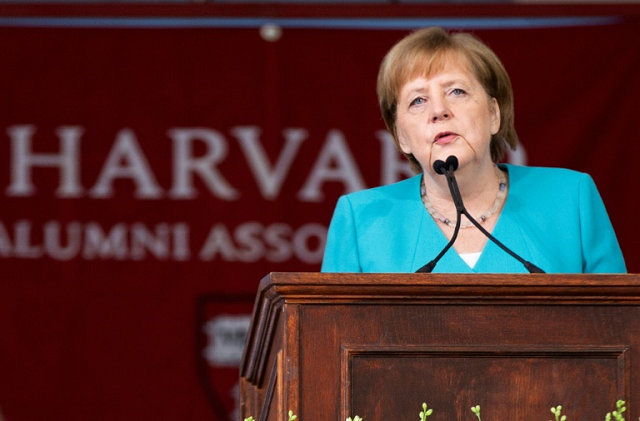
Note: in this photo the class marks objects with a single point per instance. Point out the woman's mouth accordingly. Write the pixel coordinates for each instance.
(444, 137)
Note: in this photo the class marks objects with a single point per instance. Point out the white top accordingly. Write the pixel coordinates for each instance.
(471, 258)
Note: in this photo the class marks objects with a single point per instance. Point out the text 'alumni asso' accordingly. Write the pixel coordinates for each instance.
(247, 242)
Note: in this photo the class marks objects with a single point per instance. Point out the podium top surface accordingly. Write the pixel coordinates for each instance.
(392, 285)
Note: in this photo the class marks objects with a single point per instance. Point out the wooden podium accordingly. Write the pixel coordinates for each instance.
(330, 346)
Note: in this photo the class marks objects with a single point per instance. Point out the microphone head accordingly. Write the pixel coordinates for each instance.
(452, 162)
(440, 167)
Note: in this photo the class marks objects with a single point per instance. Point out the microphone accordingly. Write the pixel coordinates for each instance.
(440, 168)
(447, 168)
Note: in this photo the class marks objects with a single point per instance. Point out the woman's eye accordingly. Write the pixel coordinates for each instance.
(457, 92)
(417, 101)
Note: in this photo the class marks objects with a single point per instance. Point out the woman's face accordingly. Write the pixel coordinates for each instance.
(447, 113)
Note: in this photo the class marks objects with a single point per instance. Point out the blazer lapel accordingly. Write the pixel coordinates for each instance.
(430, 241)
(495, 260)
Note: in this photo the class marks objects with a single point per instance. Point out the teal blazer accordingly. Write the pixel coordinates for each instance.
(554, 218)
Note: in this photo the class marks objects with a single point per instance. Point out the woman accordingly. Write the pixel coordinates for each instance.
(447, 94)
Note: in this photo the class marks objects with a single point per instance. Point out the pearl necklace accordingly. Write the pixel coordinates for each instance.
(502, 193)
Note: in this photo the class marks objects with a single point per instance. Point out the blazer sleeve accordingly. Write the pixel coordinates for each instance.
(341, 250)
(600, 248)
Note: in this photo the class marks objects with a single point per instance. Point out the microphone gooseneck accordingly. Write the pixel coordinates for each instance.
(447, 169)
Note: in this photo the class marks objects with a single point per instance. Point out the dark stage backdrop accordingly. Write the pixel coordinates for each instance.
(156, 163)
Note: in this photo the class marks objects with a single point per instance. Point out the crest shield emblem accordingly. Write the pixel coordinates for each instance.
(222, 323)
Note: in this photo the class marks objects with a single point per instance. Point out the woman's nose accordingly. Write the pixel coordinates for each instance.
(440, 111)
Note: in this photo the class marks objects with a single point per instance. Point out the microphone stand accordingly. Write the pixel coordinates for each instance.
(447, 169)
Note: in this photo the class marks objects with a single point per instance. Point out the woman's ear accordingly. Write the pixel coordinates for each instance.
(495, 116)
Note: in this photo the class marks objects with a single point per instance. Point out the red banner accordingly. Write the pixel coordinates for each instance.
(154, 169)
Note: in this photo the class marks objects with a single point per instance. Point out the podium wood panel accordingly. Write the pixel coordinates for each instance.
(329, 346)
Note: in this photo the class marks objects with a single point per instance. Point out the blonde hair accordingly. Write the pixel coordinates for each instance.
(426, 51)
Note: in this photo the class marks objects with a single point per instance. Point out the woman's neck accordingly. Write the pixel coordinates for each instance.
(478, 188)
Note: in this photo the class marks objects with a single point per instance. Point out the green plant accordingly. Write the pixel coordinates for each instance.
(557, 411)
(617, 415)
(425, 412)
(476, 410)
